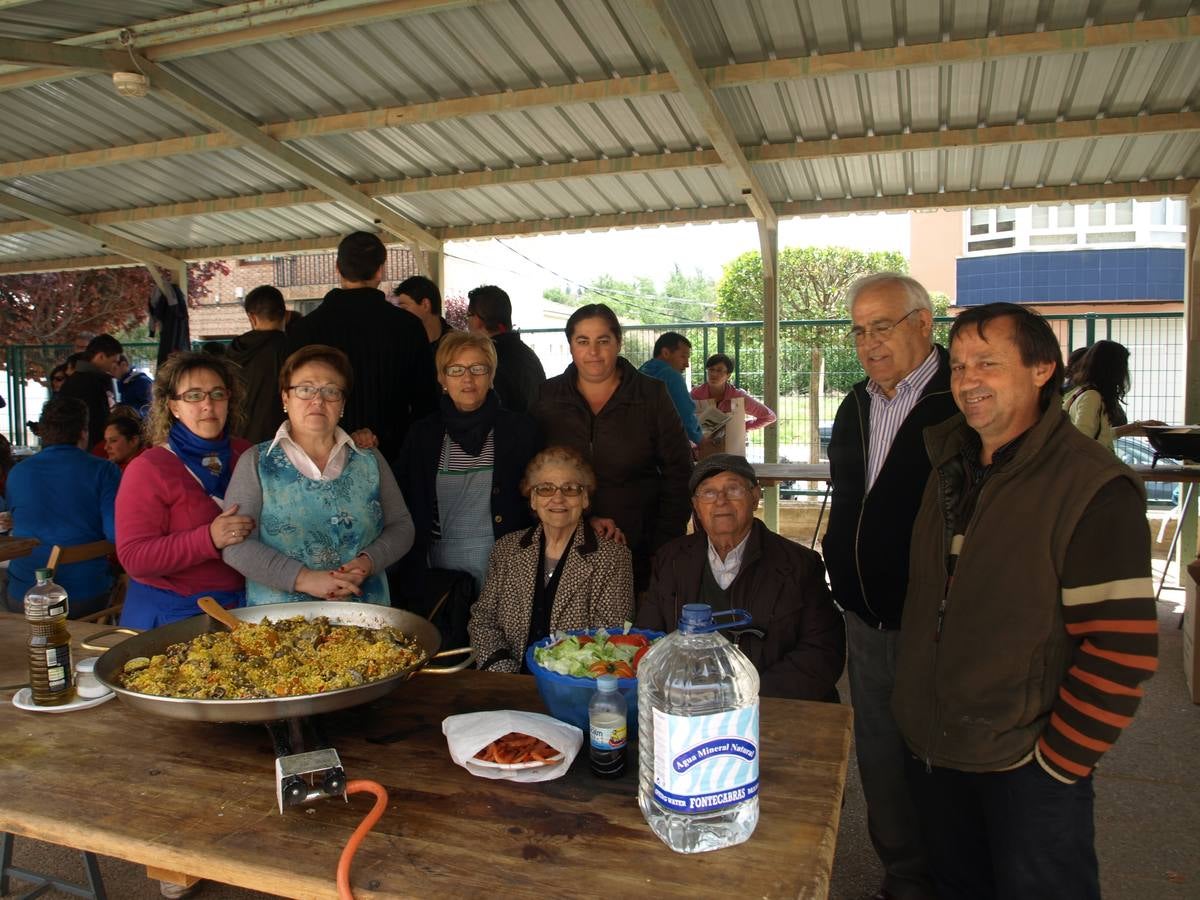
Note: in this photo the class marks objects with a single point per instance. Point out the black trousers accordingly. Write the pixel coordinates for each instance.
(1015, 835)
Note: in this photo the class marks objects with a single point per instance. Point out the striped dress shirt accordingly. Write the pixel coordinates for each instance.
(889, 413)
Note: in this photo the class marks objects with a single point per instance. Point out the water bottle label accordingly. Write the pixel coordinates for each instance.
(608, 738)
(56, 609)
(705, 763)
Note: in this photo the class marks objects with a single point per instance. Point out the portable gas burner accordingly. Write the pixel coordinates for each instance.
(306, 767)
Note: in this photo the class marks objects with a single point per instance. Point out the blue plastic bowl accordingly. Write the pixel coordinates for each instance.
(567, 696)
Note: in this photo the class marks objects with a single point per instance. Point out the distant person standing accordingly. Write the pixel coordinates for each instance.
(672, 354)
(1093, 402)
(134, 386)
(388, 348)
(719, 369)
(260, 353)
(169, 316)
(92, 382)
(519, 372)
(419, 296)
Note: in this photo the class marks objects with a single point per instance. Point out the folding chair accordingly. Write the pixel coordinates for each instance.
(60, 555)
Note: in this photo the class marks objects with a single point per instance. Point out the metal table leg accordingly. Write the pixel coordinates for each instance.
(1183, 511)
(821, 514)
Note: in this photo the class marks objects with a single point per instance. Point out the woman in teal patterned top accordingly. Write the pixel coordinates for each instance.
(330, 516)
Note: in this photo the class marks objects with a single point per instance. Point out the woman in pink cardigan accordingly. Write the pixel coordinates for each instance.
(170, 524)
(718, 368)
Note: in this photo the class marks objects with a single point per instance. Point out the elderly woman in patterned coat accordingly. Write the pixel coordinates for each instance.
(330, 517)
(557, 575)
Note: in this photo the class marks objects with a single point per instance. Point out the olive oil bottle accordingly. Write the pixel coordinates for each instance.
(51, 676)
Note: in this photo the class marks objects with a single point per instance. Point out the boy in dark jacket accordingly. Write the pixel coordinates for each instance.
(260, 353)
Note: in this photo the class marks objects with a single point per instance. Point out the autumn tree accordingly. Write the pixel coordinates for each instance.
(51, 308)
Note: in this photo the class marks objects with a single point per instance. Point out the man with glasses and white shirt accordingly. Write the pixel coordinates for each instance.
(878, 470)
(796, 638)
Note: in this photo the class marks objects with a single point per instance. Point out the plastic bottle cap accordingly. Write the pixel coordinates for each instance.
(695, 616)
(42, 575)
(606, 683)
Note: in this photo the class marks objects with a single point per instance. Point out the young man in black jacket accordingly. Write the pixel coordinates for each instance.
(92, 382)
(878, 470)
(519, 372)
(394, 381)
(260, 352)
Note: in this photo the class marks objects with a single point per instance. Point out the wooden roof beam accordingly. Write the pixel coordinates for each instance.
(175, 91)
(1068, 40)
(837, 206)
(731, 213)
(1166, 123)
(237, 25)
(660, 26)
(59, 56)
(107, 240)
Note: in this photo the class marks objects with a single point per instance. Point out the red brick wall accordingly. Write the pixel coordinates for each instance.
(220, 315)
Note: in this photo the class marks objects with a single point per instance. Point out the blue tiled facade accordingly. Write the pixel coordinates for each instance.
(1065, 276)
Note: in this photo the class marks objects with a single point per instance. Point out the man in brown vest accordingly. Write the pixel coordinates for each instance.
(1029, 622)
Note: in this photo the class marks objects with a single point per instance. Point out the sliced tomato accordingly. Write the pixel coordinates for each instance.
(629, 640)
(622, 669)
(584, 639)
(637, 657)
(617, 667)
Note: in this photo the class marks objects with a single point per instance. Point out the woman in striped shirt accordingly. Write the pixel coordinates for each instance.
(460, 468)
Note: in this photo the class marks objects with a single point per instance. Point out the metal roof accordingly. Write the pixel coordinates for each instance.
(475, 117)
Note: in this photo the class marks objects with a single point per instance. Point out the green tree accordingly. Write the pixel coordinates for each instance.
(812, 283)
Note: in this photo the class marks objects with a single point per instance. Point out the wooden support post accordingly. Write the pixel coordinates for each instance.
(1191, 375)
(769, 244)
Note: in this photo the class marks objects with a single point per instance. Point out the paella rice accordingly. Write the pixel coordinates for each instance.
(288, 658)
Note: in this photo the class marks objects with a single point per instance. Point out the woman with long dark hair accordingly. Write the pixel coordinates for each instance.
(1101, 383)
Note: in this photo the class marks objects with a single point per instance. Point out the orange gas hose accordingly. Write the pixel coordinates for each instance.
(381, 802)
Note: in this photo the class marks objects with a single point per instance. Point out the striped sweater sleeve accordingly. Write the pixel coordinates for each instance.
(1109, 610)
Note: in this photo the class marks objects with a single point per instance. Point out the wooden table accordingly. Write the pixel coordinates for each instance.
(199, 799)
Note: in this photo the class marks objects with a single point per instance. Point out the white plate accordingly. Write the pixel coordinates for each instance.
(23, 699)
(532, 764)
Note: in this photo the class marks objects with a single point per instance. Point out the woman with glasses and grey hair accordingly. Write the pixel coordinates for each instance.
(170, 525)
(330, 515)
(557, 575)
(461, 467)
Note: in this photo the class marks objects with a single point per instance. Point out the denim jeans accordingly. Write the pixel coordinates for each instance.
(880, 750)
(1015, 835)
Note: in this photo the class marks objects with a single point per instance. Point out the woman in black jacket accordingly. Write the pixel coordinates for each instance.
(625, 425)
(460, 468)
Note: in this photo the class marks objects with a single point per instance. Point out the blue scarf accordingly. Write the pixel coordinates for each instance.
(210, 461)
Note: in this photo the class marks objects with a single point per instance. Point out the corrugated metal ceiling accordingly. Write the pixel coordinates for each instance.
(509, 47)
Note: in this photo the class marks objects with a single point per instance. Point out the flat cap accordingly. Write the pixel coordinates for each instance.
(718, 463)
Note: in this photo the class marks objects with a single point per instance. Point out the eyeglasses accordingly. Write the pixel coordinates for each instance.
(882, 330)
(546, 489)
(732, 492)
(216, 395)
(460, 371)
(330, 392)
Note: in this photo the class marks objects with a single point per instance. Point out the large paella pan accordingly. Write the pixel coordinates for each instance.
(149, 643)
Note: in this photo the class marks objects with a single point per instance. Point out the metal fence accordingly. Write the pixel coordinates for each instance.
(1155, 342)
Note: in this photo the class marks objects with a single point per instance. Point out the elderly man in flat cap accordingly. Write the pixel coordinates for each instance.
(797, 639)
